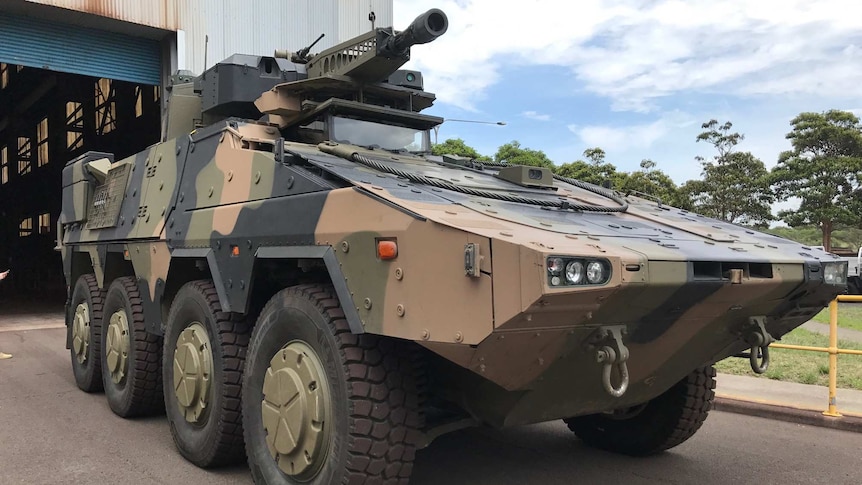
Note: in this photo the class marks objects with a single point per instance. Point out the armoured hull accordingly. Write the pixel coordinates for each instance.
(315, 293)
(682, 289)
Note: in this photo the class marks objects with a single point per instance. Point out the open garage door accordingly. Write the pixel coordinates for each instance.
(64, 89)
(32, 42)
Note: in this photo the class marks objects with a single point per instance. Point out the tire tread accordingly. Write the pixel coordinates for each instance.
(667, 421)
(384, 396)
(233, 334)
(96, 304)
(145, 373)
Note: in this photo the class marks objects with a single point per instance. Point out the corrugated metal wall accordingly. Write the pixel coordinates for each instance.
(41, 44)
(243, 26)
(261, 26)
(160, 14)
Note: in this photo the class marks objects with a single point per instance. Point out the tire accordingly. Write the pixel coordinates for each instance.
(86, 304)
(374, 406)
(660, 424)
(138, 391)
(212, 434)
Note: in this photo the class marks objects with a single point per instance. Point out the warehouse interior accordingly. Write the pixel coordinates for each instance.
(62, 94)
(46, 119)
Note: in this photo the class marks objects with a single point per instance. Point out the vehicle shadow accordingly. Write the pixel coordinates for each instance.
(543, 454)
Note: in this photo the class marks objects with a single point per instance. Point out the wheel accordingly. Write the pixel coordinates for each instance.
(204, 354)
(87, 301)
(322, 405)
(130, 356)
(658, 425)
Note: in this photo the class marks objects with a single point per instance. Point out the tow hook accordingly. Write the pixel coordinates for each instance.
(756, 336)
(612, 352)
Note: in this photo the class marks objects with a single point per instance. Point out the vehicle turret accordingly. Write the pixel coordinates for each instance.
(374, 56)
(364, 69)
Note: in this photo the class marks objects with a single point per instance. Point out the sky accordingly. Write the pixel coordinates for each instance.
(637, 78)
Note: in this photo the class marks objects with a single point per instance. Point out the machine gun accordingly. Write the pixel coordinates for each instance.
(374, 56)
(301, 56)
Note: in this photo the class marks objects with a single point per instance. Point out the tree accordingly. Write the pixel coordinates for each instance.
(596, 171)
(457, 146)
(846, 238)
(595, 155)
(586, 172)
(650, 181)
(514, 154)
(735, 186)
(822, 171)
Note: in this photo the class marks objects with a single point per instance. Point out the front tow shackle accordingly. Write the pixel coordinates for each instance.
(612, 354)
(755, 335)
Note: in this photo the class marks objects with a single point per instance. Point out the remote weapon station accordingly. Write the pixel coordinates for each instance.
(294, 279)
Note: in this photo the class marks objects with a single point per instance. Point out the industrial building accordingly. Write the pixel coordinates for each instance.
(82, 75)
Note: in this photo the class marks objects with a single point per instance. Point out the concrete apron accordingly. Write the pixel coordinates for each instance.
(30, 321)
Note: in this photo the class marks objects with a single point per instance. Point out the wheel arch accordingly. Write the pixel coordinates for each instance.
(115, 265)
(186, 265)
(79, 263)
(105, 261)
(325, 256)
(272, 268)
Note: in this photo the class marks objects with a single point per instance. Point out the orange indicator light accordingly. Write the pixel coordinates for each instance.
(234, 250)
(387, 250)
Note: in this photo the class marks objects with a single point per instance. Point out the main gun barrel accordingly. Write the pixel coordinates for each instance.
(426, 28)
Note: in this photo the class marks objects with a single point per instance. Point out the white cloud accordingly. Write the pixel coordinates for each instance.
(536, 116)
(636, 52)
(637, 137)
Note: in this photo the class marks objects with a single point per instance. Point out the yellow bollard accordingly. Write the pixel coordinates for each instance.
(832, 410)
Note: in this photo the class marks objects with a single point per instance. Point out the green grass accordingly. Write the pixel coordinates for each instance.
(849, 316)
(802, 366)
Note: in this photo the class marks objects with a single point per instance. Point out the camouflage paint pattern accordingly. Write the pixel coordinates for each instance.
(226, 200)
(524, 343)
(384, 292)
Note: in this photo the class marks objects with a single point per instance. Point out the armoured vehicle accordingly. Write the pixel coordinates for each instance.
(854, 264)
(295, 280)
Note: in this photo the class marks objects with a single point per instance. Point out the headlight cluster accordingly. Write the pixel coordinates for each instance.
(835, 272)
(566, 271)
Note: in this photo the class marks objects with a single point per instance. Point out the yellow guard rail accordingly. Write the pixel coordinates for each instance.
(832, 350)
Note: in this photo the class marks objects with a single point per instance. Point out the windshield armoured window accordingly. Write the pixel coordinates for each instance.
(367, 133)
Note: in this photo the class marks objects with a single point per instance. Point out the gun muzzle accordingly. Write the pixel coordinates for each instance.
(424, 29)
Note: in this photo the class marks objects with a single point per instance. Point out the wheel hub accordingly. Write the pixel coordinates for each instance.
(296, 410)
(117, 345)
(192, 370)
(81, 332)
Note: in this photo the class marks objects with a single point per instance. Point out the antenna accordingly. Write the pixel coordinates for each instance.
(206, 48)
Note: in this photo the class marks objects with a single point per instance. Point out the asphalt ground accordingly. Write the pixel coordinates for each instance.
(50, 432)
